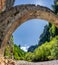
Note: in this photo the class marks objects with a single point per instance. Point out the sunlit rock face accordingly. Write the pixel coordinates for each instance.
(4, 61)
(6, 4)
(2, 4)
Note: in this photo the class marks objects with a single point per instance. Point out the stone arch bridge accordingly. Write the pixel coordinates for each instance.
(15, 16)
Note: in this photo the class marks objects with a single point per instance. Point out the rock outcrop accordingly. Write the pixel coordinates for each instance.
(4, 61)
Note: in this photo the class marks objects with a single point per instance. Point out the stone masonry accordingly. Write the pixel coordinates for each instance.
(6, 4)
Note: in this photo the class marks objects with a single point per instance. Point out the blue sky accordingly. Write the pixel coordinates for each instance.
(46, 3)
(29, 32)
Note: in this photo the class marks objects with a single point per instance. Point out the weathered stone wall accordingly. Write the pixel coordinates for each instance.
(6, 4)
(14, 17)
(9, 3)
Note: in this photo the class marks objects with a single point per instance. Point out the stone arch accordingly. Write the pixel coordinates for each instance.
(11, 19)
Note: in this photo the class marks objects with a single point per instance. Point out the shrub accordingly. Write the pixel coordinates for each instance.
(47, 51)
(7, 52)
(29, 56)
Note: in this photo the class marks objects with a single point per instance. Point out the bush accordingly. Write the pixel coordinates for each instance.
(47, 51)
(18, 53)
(16, 56)
(29, 56)
(54, 51)
(7, 52)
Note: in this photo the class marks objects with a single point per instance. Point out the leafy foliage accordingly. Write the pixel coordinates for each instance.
(29, 56)
(18, 53)
(12, 50)
(7, 52)
(47, 51)
(56, 6)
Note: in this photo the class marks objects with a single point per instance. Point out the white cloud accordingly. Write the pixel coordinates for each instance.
(25, 48)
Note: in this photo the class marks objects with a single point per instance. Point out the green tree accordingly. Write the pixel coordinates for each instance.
(54, 51)
(50, 30)
(55, 7)
(45, 36)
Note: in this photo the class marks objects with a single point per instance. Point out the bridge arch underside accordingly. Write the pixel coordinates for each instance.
(10, 20)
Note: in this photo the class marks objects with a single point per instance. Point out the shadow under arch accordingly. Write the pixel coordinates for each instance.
(19, 14)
